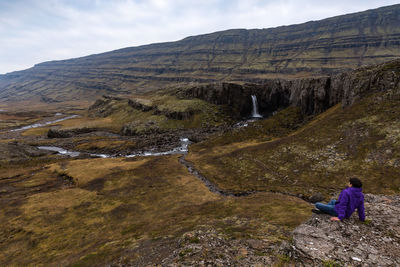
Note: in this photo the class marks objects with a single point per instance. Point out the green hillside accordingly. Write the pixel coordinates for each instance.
(292, 154)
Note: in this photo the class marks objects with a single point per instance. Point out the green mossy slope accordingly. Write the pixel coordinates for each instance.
(362, 140)
(161, 112)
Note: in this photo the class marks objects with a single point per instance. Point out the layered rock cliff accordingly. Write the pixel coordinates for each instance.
(310, 49)
(313, 95)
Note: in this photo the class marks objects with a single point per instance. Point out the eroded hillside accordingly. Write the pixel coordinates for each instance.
(290, 153)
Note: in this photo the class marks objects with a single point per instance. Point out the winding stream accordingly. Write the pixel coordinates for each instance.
(182, 149)
(41, 124)
(211, 186)
(60, 150)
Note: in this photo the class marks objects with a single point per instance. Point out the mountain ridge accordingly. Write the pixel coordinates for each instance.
(211, 33)
(315, 48)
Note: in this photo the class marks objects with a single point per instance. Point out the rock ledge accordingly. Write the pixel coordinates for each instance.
(375, 242)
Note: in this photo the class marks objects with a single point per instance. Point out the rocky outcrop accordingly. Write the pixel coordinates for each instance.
(137, 128)
(312, 95)
(14, 151)
(375, 242)
(56, 133)
(207, 247)
(139, 106)
(104, 107)
(100, 108)
(317, 242)
(176, 115)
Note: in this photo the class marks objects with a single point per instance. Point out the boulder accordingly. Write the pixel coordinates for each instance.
(54, 133)
(318, 197)
(376, 242)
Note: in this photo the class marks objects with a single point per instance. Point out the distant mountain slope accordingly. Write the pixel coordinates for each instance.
(310, 49)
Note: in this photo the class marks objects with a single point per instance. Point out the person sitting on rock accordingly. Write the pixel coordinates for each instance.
(350, 198)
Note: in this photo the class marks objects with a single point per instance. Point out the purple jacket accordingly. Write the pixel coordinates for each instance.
(350, 199)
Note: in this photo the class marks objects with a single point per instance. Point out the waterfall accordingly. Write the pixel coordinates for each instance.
(255, 113)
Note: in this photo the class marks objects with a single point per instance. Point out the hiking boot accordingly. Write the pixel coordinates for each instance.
(316, 211)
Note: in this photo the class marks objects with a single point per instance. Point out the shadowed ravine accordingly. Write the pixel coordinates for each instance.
(215, 189)
(211, 186)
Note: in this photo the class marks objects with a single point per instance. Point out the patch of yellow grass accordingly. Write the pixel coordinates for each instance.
(87, 122)
(56, 201)
(224, 149)
(86, 170)
(36, 131)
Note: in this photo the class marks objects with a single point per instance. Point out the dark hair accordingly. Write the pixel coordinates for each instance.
(355, 182)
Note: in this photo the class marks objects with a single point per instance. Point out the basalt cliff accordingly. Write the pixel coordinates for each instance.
(315, 48)
(312, 95)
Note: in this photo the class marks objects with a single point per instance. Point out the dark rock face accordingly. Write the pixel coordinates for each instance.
(100, 108)
(320, 241)
(175, 115)
(315, 48)
(55, 133)
(164, 140)
(312, 95)
(139, 106)
(233, 95)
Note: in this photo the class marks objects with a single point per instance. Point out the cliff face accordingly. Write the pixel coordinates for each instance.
(312, 95)
(310, 49)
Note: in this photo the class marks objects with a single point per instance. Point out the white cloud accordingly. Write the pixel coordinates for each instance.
(33, 31)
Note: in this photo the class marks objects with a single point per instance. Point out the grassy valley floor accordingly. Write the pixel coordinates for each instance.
(96, 211)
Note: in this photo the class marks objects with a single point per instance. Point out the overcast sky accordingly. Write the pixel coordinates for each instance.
(33, 31)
